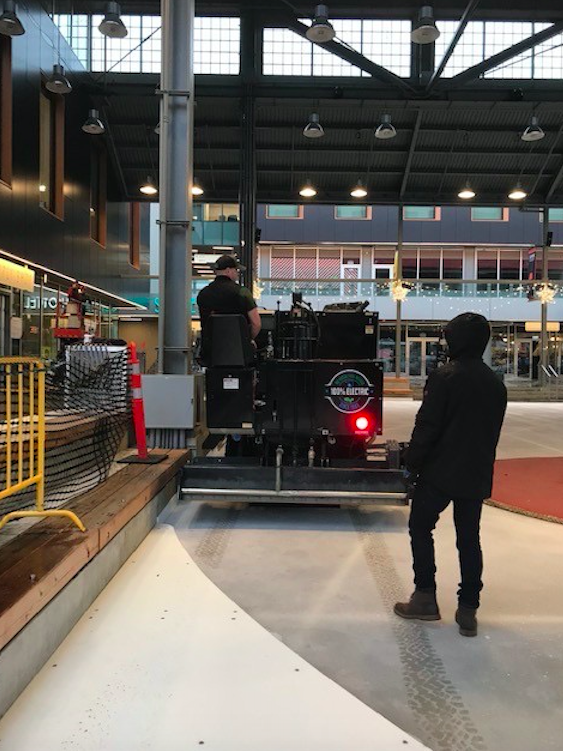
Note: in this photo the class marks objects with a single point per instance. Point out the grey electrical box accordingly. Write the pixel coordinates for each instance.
(170, 401)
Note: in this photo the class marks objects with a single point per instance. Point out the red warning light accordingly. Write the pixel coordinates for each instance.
(362, 423)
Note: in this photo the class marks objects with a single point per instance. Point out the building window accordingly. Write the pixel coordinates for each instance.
(98, 194)
(489, 214)
(135, 234)
(51, 152)
(422, 213)
(284, 211)
(555, 215)
(452, 264)
(352, 212)
(429, 264)
(510, 266)
(5, 110)
(487, 264)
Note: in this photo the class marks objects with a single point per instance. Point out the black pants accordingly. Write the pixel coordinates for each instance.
(427, 505)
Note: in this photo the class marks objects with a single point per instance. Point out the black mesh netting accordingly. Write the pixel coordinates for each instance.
(86, 416)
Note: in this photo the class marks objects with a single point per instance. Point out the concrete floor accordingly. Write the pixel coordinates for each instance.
(323, 582)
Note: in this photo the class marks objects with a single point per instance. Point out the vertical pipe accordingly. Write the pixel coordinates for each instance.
(176, 161)
(544, 340)
(399, 274)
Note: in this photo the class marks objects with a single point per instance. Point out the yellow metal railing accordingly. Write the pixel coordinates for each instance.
(22, 435)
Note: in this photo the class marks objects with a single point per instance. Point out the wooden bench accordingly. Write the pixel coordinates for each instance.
(37, 564)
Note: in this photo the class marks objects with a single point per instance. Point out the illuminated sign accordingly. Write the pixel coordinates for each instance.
(13, 275)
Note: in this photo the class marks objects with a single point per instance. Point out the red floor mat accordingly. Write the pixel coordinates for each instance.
(532, 486)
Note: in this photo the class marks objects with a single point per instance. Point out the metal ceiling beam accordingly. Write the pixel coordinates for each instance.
(492, 62)
(353, 57)
(555, 183)
(464, 20)
(411, 153)
(312, 171)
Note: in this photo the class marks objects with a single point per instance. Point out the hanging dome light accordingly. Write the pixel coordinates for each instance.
(517, 193)
(10, 24)
(112, 25)
(57, 82)
(359, 191)
(308, 190)
(149, 188)
(93, 125)
(197, 190)
(320, 31)
(533, 132)
(386, 129)
(466, 192)
(313, 129)
(425, 30)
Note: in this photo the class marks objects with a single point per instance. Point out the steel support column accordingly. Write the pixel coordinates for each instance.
(399, 275)
(175, 179)
(250, 60)
(544, 337)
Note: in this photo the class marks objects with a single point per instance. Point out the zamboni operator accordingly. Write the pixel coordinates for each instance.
(226, 296)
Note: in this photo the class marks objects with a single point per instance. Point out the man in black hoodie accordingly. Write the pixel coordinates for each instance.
(450, 458)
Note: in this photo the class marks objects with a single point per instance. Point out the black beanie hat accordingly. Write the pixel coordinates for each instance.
(467, 335)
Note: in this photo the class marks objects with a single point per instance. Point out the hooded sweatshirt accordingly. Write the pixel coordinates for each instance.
(457, 428)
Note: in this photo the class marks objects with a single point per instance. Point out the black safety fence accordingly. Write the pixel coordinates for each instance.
(86, 415)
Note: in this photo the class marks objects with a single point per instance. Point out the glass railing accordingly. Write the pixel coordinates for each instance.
(216, 233)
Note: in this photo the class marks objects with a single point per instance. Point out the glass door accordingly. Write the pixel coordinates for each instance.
(351, 273)
(523, 358)
(422, 356)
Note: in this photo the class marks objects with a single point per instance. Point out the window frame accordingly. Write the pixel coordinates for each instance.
(300, 212)
(98, 166)
(505, 216)
(6, 111)
(365, 218)
(56, 204)
(552, 221)
(437, 214)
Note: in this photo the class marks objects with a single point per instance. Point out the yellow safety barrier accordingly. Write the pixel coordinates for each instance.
(22, 434)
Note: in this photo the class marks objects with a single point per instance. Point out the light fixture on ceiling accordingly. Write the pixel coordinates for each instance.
(386, 129)
(313, 129)
(10, 24)
(424, 29)
(308, 190)
(197, 190)
(112, 25)
(466, 192)
(533, 132)
(93, 125)
(320, 31)
(517, 193)
(359, 190)
(57, 82)
(149, 188)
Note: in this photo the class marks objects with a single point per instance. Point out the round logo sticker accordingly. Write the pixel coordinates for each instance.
(349, 391)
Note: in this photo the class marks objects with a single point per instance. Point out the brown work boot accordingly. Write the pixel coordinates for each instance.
(466, 620)
(421, 607)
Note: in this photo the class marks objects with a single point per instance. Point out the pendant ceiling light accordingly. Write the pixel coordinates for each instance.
(386, 129)
(149, 188)
(10, 24)
(517, 193)
(320, 31)
(197, 190)
(533, 132)
(57, 82)
(313, 129)
(112, 25)
(308, 190)
(359, 191)
(467, 192)
(93, 125)
(425, 30)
